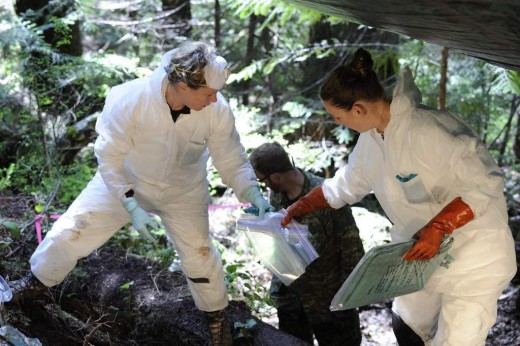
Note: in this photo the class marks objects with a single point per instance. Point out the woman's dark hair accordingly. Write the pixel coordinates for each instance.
(354, 80)
(270, 158)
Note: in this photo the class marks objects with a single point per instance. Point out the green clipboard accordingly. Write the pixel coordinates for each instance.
(382, 274)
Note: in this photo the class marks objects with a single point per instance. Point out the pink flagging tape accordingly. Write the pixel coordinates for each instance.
(229, 206)
(38, 225)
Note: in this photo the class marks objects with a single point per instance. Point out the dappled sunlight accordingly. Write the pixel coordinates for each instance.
(373, 228)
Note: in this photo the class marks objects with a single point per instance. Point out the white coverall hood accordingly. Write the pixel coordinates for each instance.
(405, 94)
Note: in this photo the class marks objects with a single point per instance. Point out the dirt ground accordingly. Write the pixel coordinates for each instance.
(115, 297)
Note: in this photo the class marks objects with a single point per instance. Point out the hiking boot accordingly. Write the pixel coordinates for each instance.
(219, 328)
(26, 287)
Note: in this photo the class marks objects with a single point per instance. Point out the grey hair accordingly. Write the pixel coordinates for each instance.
(187, 64)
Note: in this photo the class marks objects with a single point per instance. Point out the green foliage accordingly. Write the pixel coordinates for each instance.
(74, 180)
(62, 30)
(343, 134)
(24, 176)
(38, 208)
(126, 286)
(513, 81)
(160, 251)
(506, 81)
(298, 111)
(270, 9)
(5, 176)
(245, 329)
(44, 95)
(243, 285)
(14, 229)
(27, 177)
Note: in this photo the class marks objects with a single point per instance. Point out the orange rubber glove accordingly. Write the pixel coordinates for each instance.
(312, 201)
(455, 215)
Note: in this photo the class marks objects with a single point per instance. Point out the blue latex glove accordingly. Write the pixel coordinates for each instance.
(253, 195)
(251, 210)
(140, 218)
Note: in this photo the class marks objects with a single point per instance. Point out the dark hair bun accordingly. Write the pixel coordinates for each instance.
(361, 63)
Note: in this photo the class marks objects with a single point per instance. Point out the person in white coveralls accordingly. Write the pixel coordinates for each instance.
(433, 177)
(155, 135)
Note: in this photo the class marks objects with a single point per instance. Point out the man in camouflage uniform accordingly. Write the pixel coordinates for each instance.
(303, 307)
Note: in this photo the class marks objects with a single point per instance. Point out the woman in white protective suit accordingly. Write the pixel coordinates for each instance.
(155, 136)
(433, 177)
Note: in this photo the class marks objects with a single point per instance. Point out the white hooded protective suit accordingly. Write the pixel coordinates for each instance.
(139, 147)
(458, 305)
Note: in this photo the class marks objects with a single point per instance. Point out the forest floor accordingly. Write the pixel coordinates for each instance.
(115, 297)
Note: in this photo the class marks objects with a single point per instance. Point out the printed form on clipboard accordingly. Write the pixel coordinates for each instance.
(382, 274)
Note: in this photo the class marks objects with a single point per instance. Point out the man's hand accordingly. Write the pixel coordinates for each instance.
(140, 218)
(252, 195)
(429, 238)
(312, 201)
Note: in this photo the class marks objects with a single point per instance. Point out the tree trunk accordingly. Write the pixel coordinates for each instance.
(217, 24)
(507, 129)
(176, 25)
(316, 69)
(266, 40)
(45, 11)
(444, 79)
(516, 139)
(250, 51)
